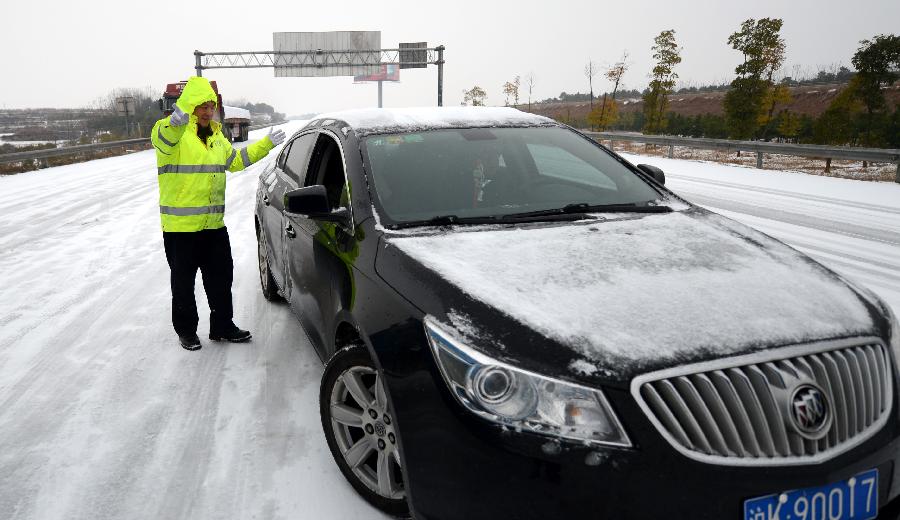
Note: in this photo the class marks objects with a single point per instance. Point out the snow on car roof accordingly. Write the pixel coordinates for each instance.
(235, 112)
(637, 289)
(395, 120)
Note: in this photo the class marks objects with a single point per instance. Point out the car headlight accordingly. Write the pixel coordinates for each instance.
(523, 400)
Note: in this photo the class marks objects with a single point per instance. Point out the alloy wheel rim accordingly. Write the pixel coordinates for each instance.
(364, 431)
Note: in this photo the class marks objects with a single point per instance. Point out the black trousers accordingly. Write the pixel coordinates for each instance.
(210, 251)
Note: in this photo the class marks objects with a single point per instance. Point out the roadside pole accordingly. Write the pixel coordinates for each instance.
(440, 66)
(197, 62)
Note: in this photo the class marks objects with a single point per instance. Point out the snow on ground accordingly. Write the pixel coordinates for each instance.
(102, 413)
(29, 143)
(850, 226)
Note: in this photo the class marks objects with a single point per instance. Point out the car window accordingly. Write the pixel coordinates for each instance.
(295, 164)
(479, 172)
(282, 157)
(553, 161)
(326, 167)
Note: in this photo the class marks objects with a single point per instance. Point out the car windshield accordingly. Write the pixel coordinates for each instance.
(497, 172)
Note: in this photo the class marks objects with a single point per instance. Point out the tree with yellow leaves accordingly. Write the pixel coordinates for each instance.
(604, 114)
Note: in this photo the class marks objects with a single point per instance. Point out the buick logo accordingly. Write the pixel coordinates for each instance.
(810, 411)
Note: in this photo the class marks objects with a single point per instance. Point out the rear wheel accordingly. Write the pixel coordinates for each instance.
(360, 430)
(266, 282)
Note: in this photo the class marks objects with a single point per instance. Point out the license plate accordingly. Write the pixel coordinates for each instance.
(853, 499)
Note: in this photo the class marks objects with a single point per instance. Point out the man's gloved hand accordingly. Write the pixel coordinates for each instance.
(276, 136)
(178, 117)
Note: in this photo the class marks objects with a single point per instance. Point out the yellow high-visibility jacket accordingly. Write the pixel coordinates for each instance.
(191, 174)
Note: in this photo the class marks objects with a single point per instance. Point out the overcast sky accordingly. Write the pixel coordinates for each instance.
(68, 54)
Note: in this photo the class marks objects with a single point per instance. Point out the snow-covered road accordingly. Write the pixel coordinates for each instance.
(103, 415)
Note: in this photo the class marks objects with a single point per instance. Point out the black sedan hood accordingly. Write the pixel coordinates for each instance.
(614, 297)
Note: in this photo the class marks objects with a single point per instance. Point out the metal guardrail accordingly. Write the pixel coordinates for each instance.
(68, 150)
(883, 155)
(86, 148)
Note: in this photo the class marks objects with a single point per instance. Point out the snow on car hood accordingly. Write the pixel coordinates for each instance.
(647, 287)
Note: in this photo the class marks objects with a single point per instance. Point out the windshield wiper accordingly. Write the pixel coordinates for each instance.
(449, 220)
(584, 207)
(446, 220)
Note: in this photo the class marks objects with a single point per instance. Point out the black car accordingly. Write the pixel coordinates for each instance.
(518, 323)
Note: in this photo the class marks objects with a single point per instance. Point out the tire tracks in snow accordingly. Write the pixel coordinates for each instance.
(798, 219)
(789, 194)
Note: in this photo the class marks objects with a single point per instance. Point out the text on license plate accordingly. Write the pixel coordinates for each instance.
(853, 499)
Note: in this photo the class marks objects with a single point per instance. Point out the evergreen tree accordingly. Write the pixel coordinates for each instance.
(777, 95)
(750, 96)
(656, 99)
(788, 124)
(836, 125)
(893, 129)
(877, 61)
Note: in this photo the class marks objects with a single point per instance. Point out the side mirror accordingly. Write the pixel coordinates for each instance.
(312, 202)
(654, 172)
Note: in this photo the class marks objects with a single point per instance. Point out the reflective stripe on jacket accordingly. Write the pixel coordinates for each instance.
(191, 174)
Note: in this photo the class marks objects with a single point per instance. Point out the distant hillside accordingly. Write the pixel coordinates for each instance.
(809, 100)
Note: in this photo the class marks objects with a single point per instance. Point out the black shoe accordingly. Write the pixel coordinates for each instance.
(235, 335)
(190, 342)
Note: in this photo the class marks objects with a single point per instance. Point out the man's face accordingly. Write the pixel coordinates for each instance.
(205, 113)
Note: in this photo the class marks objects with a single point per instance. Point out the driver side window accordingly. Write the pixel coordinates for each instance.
(326, 167)
(295, 162)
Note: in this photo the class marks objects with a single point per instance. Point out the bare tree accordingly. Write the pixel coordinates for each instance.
(517, 81)
(590, 70)
(616, 72)
(529, 80)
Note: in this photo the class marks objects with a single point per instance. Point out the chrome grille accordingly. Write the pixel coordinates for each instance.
(737, 411)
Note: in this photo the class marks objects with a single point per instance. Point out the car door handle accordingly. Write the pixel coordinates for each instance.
(266, 200)
(289, 230)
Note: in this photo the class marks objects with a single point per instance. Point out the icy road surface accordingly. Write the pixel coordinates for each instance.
(103, 415)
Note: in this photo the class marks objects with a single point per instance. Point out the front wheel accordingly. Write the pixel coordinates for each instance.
(360, 430)
(266, 282)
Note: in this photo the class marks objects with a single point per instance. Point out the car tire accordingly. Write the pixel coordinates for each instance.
(359, 428)
(266, 282)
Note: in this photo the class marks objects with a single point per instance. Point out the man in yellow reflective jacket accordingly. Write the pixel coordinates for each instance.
(192, 156)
